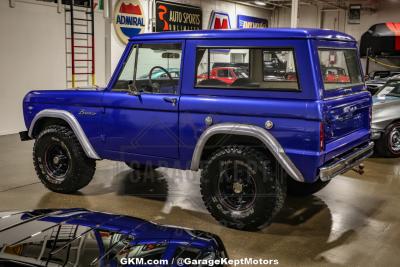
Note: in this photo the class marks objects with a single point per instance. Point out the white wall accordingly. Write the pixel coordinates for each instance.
(32, 56)
(206, 5)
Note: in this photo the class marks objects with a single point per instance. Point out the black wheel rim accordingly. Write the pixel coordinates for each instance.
(236, 186)
(394, 140)
(57, 162)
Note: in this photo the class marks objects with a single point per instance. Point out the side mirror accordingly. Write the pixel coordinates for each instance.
(133, 89)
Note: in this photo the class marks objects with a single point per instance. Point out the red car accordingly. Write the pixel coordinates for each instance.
(227, 75)
(336, 75)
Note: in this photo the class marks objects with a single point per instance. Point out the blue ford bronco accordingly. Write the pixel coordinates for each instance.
(255, 131)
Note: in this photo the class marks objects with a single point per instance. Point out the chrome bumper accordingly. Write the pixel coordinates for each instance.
(346, 162)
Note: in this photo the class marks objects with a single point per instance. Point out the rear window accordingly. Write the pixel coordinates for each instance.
(339, 67)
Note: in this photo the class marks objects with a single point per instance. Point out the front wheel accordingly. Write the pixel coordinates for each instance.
(389, 143)
(242, 187)
(60, 162)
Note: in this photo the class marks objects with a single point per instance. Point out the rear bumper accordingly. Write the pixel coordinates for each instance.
(346, 162)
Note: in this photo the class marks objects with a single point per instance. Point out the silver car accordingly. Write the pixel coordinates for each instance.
(386, 119)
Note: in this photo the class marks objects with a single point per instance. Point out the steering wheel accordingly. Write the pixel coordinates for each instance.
(154, 85)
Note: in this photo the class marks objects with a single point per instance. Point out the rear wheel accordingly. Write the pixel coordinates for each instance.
(389, 143)
(305, 189)
(60, 162)
(242, 187)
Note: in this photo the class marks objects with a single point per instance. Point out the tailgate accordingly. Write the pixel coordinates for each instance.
(346, 122)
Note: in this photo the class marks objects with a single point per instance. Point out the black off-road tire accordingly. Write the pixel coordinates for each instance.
(80, 169)
(304, 189)
(268, 182)
(383, 144)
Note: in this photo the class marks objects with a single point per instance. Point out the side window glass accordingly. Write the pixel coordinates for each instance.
(152, 68)
(127, 74)
(252, 68)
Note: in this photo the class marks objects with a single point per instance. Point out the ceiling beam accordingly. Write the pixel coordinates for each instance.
(294, 13)
(249, 4)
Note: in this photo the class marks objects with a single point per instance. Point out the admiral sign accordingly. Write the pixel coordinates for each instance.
(128, 19)
(177, 17)
(244, 22)
(219, 21)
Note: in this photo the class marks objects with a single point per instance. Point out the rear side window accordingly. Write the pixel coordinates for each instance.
(339, 67)
(251, 68)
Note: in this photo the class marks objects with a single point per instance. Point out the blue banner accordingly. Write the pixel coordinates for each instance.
(244, 22)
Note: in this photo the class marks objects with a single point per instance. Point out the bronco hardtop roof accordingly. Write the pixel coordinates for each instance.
(268, 33)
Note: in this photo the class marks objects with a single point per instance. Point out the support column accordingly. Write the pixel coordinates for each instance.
(108, 13)
(295, 11)
(319, 16)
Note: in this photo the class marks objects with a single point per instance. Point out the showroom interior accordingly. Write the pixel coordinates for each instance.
(354, 221)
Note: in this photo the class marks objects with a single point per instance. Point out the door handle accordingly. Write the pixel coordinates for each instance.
(171, 100)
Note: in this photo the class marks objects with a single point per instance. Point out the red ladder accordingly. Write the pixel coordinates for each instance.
(80, 43)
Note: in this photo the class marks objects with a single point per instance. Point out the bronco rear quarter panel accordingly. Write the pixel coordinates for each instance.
(296, 114)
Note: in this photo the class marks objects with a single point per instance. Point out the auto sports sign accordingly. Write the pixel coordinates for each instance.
(128, 19)
(219, 21)
(246, 22)
(177, 17)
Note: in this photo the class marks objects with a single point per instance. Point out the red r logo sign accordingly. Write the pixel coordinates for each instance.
(162, 11)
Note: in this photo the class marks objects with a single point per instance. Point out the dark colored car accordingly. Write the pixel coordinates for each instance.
(79, 237)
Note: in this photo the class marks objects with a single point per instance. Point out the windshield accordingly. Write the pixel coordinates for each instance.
(339, 68)
(390, 89)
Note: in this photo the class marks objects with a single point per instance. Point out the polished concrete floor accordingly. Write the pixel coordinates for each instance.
(355, 221)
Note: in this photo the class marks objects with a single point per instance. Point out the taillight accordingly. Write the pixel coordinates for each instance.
(321, 137)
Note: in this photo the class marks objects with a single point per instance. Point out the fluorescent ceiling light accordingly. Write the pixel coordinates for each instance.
(260, 3)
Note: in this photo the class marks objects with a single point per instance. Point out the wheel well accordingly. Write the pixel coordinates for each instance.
(393, 121)
(217, 141)
(42, 123)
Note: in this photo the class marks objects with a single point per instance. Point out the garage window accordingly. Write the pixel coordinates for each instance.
(246, 68)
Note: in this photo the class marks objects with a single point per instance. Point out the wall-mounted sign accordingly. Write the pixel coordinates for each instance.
(219, 21)
(128, 19)
(244, 22)
(177, 17)
(98, 4)
(354, 14)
